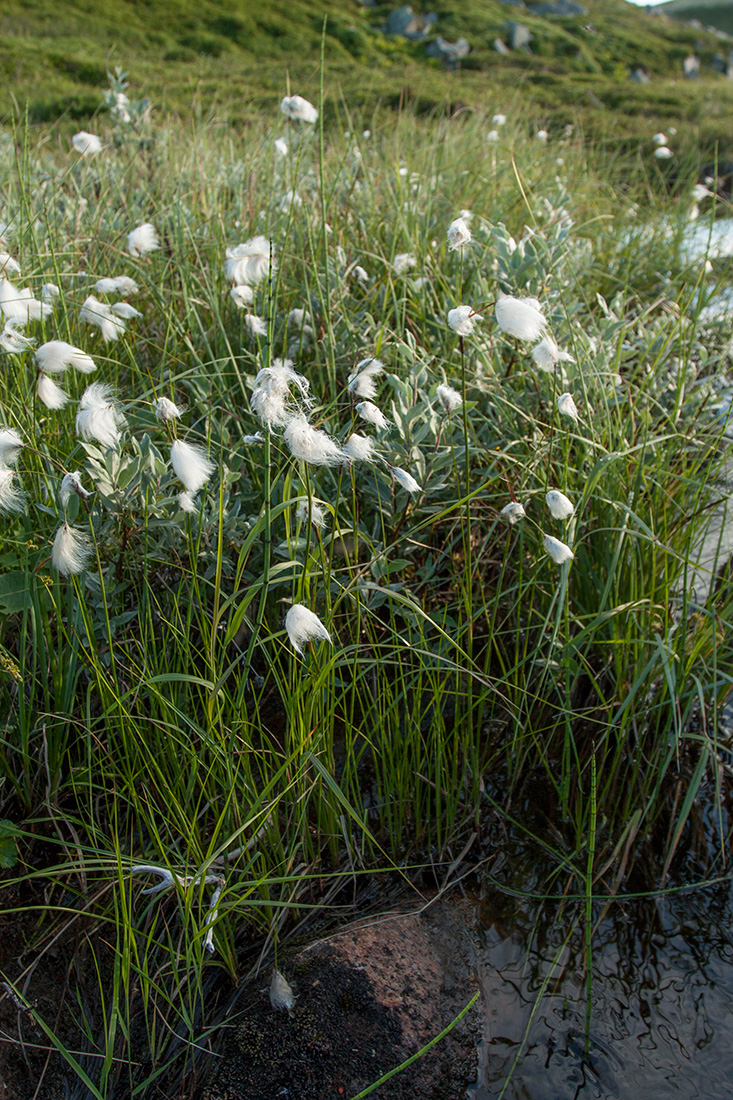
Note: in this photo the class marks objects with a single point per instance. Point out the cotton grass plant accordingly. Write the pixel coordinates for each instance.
(416, 561)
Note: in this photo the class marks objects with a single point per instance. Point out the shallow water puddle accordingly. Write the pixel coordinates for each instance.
(662, 999)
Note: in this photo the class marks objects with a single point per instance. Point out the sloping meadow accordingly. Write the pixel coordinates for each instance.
(350, 482)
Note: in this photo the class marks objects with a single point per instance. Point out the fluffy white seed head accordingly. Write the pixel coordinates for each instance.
(10, 445)
(558, 551)
(242, 296)
(249, 263)
(256, 326)
(303, 626)
(403, 262)
(499, 119)
(121, 284)
(186, 502)
(559, 505)
(361, 381)
(142, 240)
(13, 341)
(10, 266)
(373, 415)
(86, 144)
(359, 448)
(317, 514)
(295, 107)
(513, 512)
(165, 409)
(50, 292)
(520, 317)
(281, 993)
(567, 407)
(55, 356)
(462, 320)
(310, 444)
(663, 153)
(70, 484)
(360, 275)
(492, 137)
(660, 138)
(191, 465)
(20, 305)
(98, 417)
(281, 147)
(547, 355)
(271, 394)
(407, 481)
(449, 398)
(100, 315)
(125, 310)
(459, 235)
(51, 395)
(12, 498)
(71, 550)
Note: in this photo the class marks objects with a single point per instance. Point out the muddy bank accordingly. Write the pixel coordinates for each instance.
(367, 999)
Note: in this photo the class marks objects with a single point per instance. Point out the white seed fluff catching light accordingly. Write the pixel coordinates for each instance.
(191, 465)
(310, 444)
(359, 448)
(10, 446)
(50, 292)
(271, 392)
(242, 296)
(317, 514)
(51, 395)
(70, 484)
(100, 314)
(299, 109)
(361, 381)
(449, 398)
(560, 506)
(20, 305)
(547, 355)
(558, 551)
(248, 264)
(11, 497)
(98, 417)
(663, 153)
(13, 341)
(407, 481)
(520, 317)
(255, 324)
(373, 415)
(513, 512)
(403, 262)
(281, 993)
(71, 550)
(281, 146)
(55, 356)
(360, 274)
(567, 407)
(165, 409)
(142, 240)
(462, 320)
(10, 266)
(87, 144)
(303, 626)
(121, 284)
(125, 310)
(459, 235)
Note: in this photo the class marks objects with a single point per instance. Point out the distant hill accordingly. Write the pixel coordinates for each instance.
(715, 13)
(229, 58)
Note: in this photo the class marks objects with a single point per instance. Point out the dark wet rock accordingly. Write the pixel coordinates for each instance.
(559, 7)
(520, 35)
(367, 999)
(639, 76)
(448, 52)
(404, 21)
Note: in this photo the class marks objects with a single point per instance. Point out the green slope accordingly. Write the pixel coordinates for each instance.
(231, 56)
(715, 13)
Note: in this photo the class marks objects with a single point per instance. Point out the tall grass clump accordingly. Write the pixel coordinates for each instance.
(350, 531)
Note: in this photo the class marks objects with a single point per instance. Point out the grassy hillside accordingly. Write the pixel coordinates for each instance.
(716, 13)
(230, 56)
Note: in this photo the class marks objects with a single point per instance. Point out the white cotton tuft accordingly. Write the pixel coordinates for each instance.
(98, 417)
(71, 483)
(281, 147)
(407, 481)
(660, 139)
(10, 445)
(360, 275)
(71, 550)
(520, 317)
(513, 512)
(9, 266)
(449, 398)
(186, 502)
(558, 551)
(50, 292)
(492, 137)
(249, 263)
(166, 409)
(51, 395)
(303, 626)
(567, 407)
(87, 144)
(310, 444)
(13, 341)
(403, 262)
(317, 514)
(462, 320)
(191, 465)
(20, 305)
(121, 284)
(256, 325)
(295, 107)
(361, 383)
(359, 448)
(55, 356)
(663, 153)
(459, 235)
(125, 310)
(271, 392)
(242, 296)
(12, 499)
(142, 240)
(499, 119)
(100, 314)
(559, 505)
(373, 415)
(253, 440)
(547, 355)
